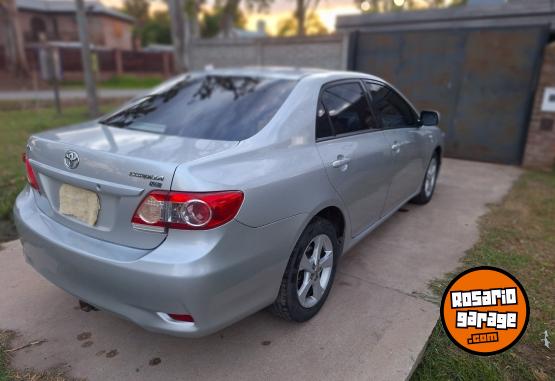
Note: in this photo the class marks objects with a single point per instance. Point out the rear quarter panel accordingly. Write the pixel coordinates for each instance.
(279, 169)
(278, 182)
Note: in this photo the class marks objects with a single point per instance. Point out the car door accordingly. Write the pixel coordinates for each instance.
(402, 131)
(354, 151)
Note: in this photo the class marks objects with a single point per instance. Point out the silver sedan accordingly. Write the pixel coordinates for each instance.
(223, 192)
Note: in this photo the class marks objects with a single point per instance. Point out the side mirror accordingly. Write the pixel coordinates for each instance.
(429, 118)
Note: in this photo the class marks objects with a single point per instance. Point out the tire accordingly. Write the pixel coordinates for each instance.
(302, 294)
(429, 183)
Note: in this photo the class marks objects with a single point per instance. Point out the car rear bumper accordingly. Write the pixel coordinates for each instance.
(218, 276)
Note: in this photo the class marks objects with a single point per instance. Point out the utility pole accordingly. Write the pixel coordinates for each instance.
(86, 58)
(15, 48)
(179, 35)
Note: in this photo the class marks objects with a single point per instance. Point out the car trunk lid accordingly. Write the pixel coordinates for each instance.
(93, 177)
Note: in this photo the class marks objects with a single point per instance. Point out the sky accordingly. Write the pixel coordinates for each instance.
(280, 9)
(327, 10)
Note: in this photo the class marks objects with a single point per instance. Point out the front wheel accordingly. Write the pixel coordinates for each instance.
(429, 183)
(309, 274)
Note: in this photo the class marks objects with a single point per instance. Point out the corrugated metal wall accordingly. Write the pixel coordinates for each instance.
(482, 82)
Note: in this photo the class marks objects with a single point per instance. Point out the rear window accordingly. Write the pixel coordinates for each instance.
(208, 107)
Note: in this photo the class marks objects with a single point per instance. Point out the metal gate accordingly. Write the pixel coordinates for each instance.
(481, 80)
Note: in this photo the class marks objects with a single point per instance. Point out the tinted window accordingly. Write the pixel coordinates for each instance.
(207, 107)
(392, 108)
(347, 108)
(323, 125)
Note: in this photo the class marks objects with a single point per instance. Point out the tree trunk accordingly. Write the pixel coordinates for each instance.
(301, 16)
(230, 10)
(15, 49)
(86, 57)
(180, 34)
(193, 21)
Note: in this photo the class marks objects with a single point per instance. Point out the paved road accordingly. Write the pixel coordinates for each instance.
(44, 95)
(374, 325)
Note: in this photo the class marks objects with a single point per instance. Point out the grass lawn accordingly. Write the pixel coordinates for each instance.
(519, 236)
(5, 337)
(15, 128)
(120, 82)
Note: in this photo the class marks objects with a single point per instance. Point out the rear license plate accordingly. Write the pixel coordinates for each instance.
(79, 203)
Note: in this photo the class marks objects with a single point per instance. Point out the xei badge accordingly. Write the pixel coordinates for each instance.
(485, 310)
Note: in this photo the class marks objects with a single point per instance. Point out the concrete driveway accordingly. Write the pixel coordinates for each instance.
(374, 325)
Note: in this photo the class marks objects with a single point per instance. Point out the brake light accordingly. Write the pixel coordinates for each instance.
(31, 178)
(186, 210)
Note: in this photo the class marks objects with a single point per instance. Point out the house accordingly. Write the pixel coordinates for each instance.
(56, 19)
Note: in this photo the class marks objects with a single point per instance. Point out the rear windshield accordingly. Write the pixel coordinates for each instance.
(208, 107)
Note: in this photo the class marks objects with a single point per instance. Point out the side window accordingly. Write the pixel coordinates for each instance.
(347, 108)
(323, 125)
(392, 108)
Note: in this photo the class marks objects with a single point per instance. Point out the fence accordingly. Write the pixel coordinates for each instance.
(109, 61)
(327, 52)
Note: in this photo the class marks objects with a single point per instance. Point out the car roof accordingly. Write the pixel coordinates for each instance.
(284, 72)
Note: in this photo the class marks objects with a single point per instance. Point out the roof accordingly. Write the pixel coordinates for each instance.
(285, 72)
(68, 6)
(474, 14)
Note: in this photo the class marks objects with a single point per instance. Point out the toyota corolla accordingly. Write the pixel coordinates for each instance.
(223, 192)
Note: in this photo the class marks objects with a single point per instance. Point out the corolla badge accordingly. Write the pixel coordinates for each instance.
(71, 159)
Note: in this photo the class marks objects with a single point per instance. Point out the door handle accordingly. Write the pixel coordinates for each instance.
(340, 162)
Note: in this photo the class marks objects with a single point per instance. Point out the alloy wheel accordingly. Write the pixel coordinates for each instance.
(315, 268)
(430, 181)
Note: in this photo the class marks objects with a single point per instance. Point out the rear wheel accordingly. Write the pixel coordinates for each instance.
(309, 274)
(429, 183)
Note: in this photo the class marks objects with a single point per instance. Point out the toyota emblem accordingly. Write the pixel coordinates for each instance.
(71, 159)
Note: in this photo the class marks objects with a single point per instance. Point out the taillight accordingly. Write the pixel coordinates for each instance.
(186, 210)
(31, 178)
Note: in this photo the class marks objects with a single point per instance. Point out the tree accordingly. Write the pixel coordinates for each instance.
(179, 36)
(230, 10)
(193, 10)
(303, 8)
(211, 24)
(157, 29)
(139, 10)
(228, 13)
(313, 26)
(13, 39)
